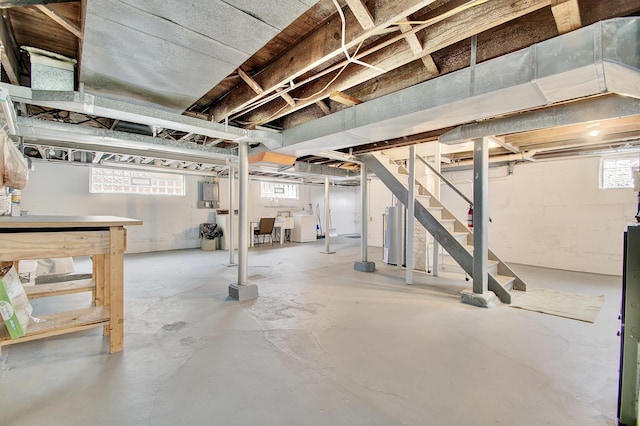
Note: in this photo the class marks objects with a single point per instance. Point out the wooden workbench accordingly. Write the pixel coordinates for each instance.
(101, 237)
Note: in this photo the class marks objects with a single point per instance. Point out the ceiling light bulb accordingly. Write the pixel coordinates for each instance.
(594, 133)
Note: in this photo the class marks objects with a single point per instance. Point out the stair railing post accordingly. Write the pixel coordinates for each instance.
(411, 213)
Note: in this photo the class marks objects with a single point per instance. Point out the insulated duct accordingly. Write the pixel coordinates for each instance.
(598, 59)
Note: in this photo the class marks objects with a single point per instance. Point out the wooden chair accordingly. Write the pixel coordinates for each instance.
(265, 227)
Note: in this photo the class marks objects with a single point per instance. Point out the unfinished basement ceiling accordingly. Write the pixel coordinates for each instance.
(168, 54)
(294, 72)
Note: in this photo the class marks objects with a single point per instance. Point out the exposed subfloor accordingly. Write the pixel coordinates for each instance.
(322, 345)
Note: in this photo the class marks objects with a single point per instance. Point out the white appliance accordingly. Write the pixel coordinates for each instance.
(304, 229)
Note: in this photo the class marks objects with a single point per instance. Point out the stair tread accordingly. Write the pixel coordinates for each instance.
(503, 279)
(489, 262)
(463, 236)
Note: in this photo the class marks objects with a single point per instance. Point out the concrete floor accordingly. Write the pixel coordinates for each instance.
(323, 344)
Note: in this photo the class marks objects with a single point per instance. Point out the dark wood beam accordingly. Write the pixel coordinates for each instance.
(315, 49)
(398, 142)
(416, 47)
(61, 20)
(458, 27)
(9, 50)
(362, 14)
(324, 107)
(4, 4)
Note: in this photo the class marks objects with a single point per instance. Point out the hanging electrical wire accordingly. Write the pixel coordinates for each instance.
(344, 47)
(420, 25)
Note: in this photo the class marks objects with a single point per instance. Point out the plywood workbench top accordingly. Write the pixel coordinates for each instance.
(21, 222)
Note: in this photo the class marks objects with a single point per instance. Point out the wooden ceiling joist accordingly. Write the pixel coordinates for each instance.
(324, 107)
(313, 50)
(566, 14)
(251, 82)
(416, 47)
(61, 20)
(287, 97)
(456, 28)
(259, 91)
(9, 50)
(362, 13)
(344, 98)
(4, 4)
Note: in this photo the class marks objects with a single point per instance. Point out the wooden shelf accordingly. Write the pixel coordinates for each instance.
(60, 323)
(24, 222)
(101, 237)
(57, 289)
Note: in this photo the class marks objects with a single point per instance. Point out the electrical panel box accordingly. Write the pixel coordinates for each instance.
(208, 195)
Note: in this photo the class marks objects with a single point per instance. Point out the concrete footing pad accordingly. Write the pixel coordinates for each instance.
(243, 292)
(364, 266)
(484, 300)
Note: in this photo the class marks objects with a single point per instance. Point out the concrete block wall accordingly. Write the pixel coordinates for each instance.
(553, 214)
(420, 239)
(169, 222)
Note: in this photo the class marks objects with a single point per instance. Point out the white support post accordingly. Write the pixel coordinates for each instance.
(230, 231)
(243, 224)
(243, 290)
(364, 265)
(327, 218)
(364, 221)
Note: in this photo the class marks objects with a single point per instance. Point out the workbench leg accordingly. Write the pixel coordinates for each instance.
(115, 275)
(100, 293)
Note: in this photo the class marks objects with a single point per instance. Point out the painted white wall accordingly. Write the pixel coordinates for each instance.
(550, 214)
(553, 214)
(342, 202)
(169, 222)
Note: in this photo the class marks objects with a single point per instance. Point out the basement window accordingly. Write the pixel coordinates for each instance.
(279, 190)
(117, 181)
(617, 172)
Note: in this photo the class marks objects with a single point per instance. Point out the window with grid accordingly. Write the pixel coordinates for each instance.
(618, 172)
(279, 190)
(119, 181)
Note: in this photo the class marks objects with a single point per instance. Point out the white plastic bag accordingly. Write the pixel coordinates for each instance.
(16, 168)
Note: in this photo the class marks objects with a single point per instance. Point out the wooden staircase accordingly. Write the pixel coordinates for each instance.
(452, 234)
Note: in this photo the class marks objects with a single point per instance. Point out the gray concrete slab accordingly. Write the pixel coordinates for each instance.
(323, 344)
(487, 299)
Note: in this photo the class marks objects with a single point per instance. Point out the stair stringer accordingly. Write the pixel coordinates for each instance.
(459, 226)
(459, 253)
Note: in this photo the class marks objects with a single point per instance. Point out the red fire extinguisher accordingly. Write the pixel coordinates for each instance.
(470, 217)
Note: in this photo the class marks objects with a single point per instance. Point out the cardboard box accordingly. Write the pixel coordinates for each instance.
(15, 308)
